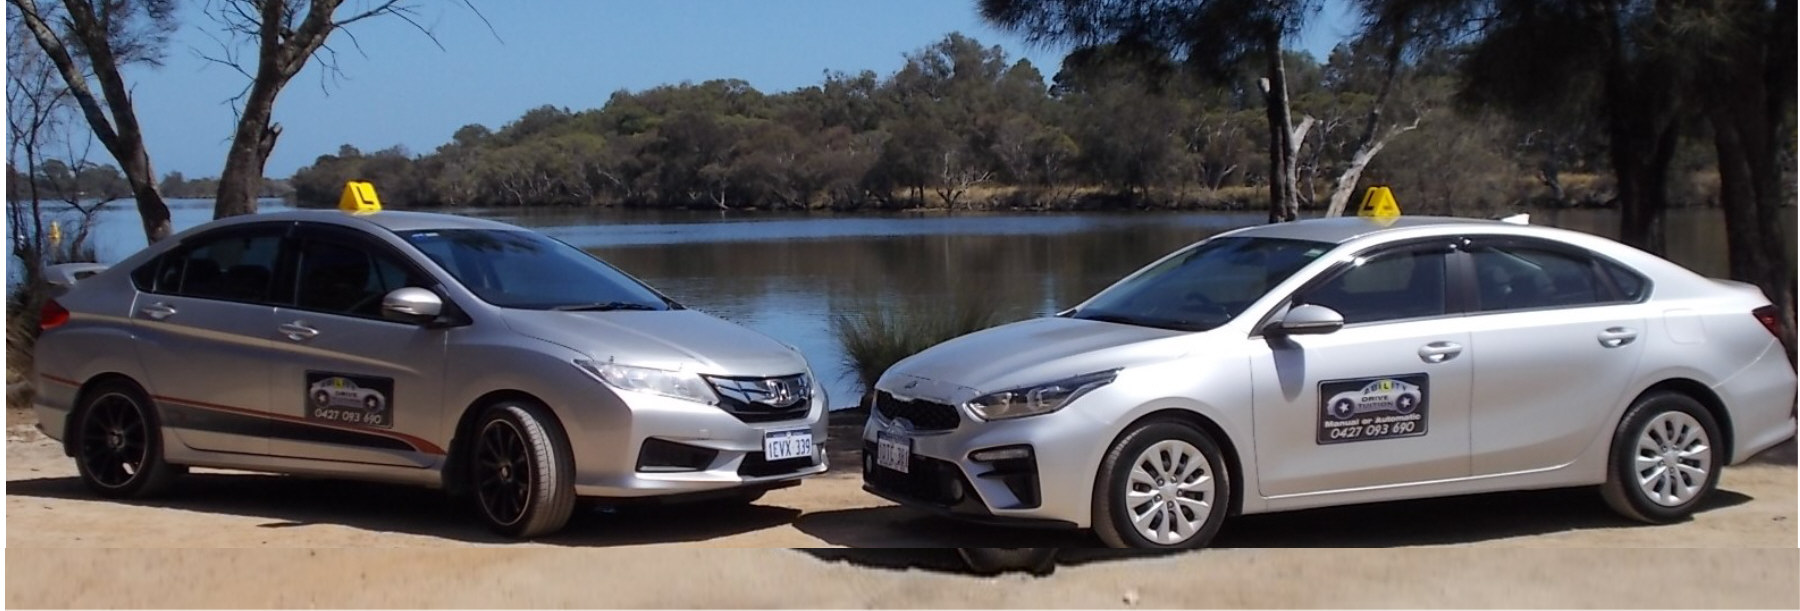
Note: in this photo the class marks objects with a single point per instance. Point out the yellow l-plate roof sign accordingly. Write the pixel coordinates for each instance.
(359, 196)
(1378, 202)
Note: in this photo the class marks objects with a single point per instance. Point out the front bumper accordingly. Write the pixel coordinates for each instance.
(673, 447)
(1053, 488)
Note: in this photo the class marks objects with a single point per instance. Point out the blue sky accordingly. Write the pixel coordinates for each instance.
(569, 53)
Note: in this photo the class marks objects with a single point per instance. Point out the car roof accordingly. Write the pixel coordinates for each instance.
(392, 220)
(1341, 229)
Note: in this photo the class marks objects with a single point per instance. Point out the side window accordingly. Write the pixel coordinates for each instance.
(1631, 286)
(232, 268)
(1522, 278)
(342, 279)
(1390, 286)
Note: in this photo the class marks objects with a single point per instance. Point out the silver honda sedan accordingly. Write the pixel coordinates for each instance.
(1339, 361)
(425, 349)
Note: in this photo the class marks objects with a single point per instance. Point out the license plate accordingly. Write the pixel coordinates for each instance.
(782, 445)
(893, 452)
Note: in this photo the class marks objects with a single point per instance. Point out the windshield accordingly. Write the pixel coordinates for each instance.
(528, 270)
(1204, 287)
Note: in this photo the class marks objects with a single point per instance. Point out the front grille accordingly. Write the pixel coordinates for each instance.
(757, 399)
(929, 480)
(756, 465)
(924, 415)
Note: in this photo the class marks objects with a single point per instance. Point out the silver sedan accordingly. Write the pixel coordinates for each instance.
(419, 349)
(1339, 361)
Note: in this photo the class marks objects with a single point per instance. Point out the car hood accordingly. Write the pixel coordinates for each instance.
(684, 340)
(1027, 353)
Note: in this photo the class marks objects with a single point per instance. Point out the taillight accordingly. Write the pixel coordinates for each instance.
(1770, 319)
(53, 315)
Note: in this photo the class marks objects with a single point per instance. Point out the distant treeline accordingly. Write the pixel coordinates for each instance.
(963, 126)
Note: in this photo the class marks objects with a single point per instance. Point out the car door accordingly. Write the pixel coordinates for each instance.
(202, 317)
(1559, 342)
(354, 387)
(1383, 400)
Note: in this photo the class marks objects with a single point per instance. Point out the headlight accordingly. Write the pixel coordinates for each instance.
(677, 384)
(1040, 399)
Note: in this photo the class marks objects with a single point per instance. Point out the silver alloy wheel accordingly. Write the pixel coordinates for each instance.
(1674, 459)
(1170, 492)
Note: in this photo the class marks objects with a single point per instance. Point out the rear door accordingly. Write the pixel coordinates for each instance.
(1382, 401)
(202, 317)
(355, 387)
(1559, 336)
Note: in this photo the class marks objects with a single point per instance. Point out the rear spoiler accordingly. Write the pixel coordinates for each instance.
(63, 277)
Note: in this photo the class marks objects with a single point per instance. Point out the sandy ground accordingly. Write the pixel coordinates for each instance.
(227, 539)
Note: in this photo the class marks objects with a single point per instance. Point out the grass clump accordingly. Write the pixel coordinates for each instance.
(877, 337)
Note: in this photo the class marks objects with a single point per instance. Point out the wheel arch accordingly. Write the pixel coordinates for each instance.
(81, 396)
(1229, 447)
(1705, 396)
(455, 462)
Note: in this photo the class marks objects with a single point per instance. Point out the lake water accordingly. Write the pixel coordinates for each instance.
(788, 274)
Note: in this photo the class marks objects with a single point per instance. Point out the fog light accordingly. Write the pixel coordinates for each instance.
(999, 454)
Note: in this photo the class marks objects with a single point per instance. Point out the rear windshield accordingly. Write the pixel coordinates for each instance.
(528, 270)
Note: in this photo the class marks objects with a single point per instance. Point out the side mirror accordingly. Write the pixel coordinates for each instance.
(412, 304)
(1308, 320)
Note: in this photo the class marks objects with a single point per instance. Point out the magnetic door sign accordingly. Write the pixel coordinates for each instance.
(1368, 409)
(350, 399)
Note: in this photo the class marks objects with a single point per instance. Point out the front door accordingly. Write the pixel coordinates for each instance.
(355, 387)
(1382, 401)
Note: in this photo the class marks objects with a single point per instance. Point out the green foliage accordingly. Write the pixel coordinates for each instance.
(877, 338)
(962, 125)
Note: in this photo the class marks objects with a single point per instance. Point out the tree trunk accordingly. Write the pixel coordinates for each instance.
(124, 140)
(1746, 109)
(1283, 203)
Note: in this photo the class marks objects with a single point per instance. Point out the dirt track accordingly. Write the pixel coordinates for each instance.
(305, 543)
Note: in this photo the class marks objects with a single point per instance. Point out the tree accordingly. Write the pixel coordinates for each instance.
(286, 34)
(89, 42)
(1213, 36)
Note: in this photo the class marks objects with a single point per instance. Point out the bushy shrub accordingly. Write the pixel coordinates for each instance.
(876, 338)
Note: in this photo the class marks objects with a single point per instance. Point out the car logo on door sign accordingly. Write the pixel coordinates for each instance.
(1385, 395)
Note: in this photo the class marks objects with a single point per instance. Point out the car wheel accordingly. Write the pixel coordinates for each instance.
(321, 399)
(523, 473)
(1343, 409)
(118, 444)
(1663, 463)
(997, 560)
(1163, 485)
(371, 403)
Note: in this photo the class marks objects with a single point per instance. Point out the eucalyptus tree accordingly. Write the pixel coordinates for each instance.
(1211, 36)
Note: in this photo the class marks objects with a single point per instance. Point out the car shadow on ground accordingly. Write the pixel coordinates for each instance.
(889, 536)
(294, 502)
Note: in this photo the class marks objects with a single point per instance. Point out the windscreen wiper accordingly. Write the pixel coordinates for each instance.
(605, 306)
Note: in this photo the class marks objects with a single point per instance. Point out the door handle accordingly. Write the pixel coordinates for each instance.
(1617, 336)
(158, 310)
(1438, 352)
(298, 331)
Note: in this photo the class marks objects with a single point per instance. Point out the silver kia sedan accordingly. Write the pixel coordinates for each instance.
(427, 349)
(1339, 361)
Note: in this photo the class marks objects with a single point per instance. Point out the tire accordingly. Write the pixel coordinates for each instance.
(997, 560)
(321, 399)
(371, 404)
(1643, 449)
(522, 474)
(118, 443)
(1120, 496)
